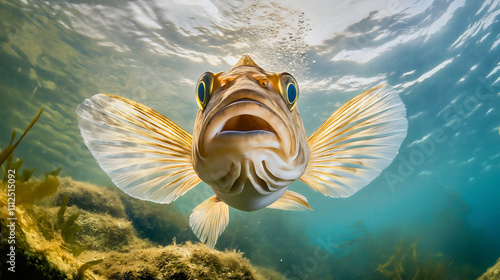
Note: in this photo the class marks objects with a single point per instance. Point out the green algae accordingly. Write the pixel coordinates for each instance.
(187, 261)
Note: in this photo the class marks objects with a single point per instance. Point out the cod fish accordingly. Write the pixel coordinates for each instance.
(248, 144)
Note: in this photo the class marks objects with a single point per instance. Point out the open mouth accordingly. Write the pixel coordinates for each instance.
(246, 116)
(246, 123)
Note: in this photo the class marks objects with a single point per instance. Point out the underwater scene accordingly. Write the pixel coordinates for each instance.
(162, 139)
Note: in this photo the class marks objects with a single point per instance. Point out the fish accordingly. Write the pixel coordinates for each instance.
(248, 144)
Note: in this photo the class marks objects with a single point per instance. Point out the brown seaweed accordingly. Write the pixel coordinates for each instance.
(69, 228)
(80, 275)
(10, 148)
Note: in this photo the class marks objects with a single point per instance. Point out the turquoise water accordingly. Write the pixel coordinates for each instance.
(439, 198)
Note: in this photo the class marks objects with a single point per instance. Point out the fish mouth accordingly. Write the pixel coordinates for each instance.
(246, 123)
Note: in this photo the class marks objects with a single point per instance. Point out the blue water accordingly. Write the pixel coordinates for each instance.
(441, 193)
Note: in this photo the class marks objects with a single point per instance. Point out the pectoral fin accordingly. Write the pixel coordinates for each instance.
(209, 220)
(356, 143)
(291, 201)
(146, 155)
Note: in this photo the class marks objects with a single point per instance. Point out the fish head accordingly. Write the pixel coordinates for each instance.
(249, 141)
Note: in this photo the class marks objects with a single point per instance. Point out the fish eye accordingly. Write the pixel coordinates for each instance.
(289, 90)
(204, 89)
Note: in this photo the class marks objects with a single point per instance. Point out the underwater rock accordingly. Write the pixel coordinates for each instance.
(493, 273)
(89, 197)
(160, 223)
(189, 261)
(102, 232)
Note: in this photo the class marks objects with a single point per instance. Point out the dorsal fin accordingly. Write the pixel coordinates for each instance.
(245, 60)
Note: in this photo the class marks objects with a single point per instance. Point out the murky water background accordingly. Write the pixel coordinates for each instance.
(441, 193)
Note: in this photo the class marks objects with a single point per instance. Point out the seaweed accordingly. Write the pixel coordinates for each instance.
(26, 175)
(358, 241)
(55, 172)
(405, 263)
(80, 275)
(45, 225)
(62, 210)
(68, 229)
(393, 268)
(10, 148)
(10, 165)
(27, 191)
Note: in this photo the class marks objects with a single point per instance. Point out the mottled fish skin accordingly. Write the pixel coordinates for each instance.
(249, 167)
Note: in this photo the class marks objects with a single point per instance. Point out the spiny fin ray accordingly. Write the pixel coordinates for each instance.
(146, 155)
(356, 143)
